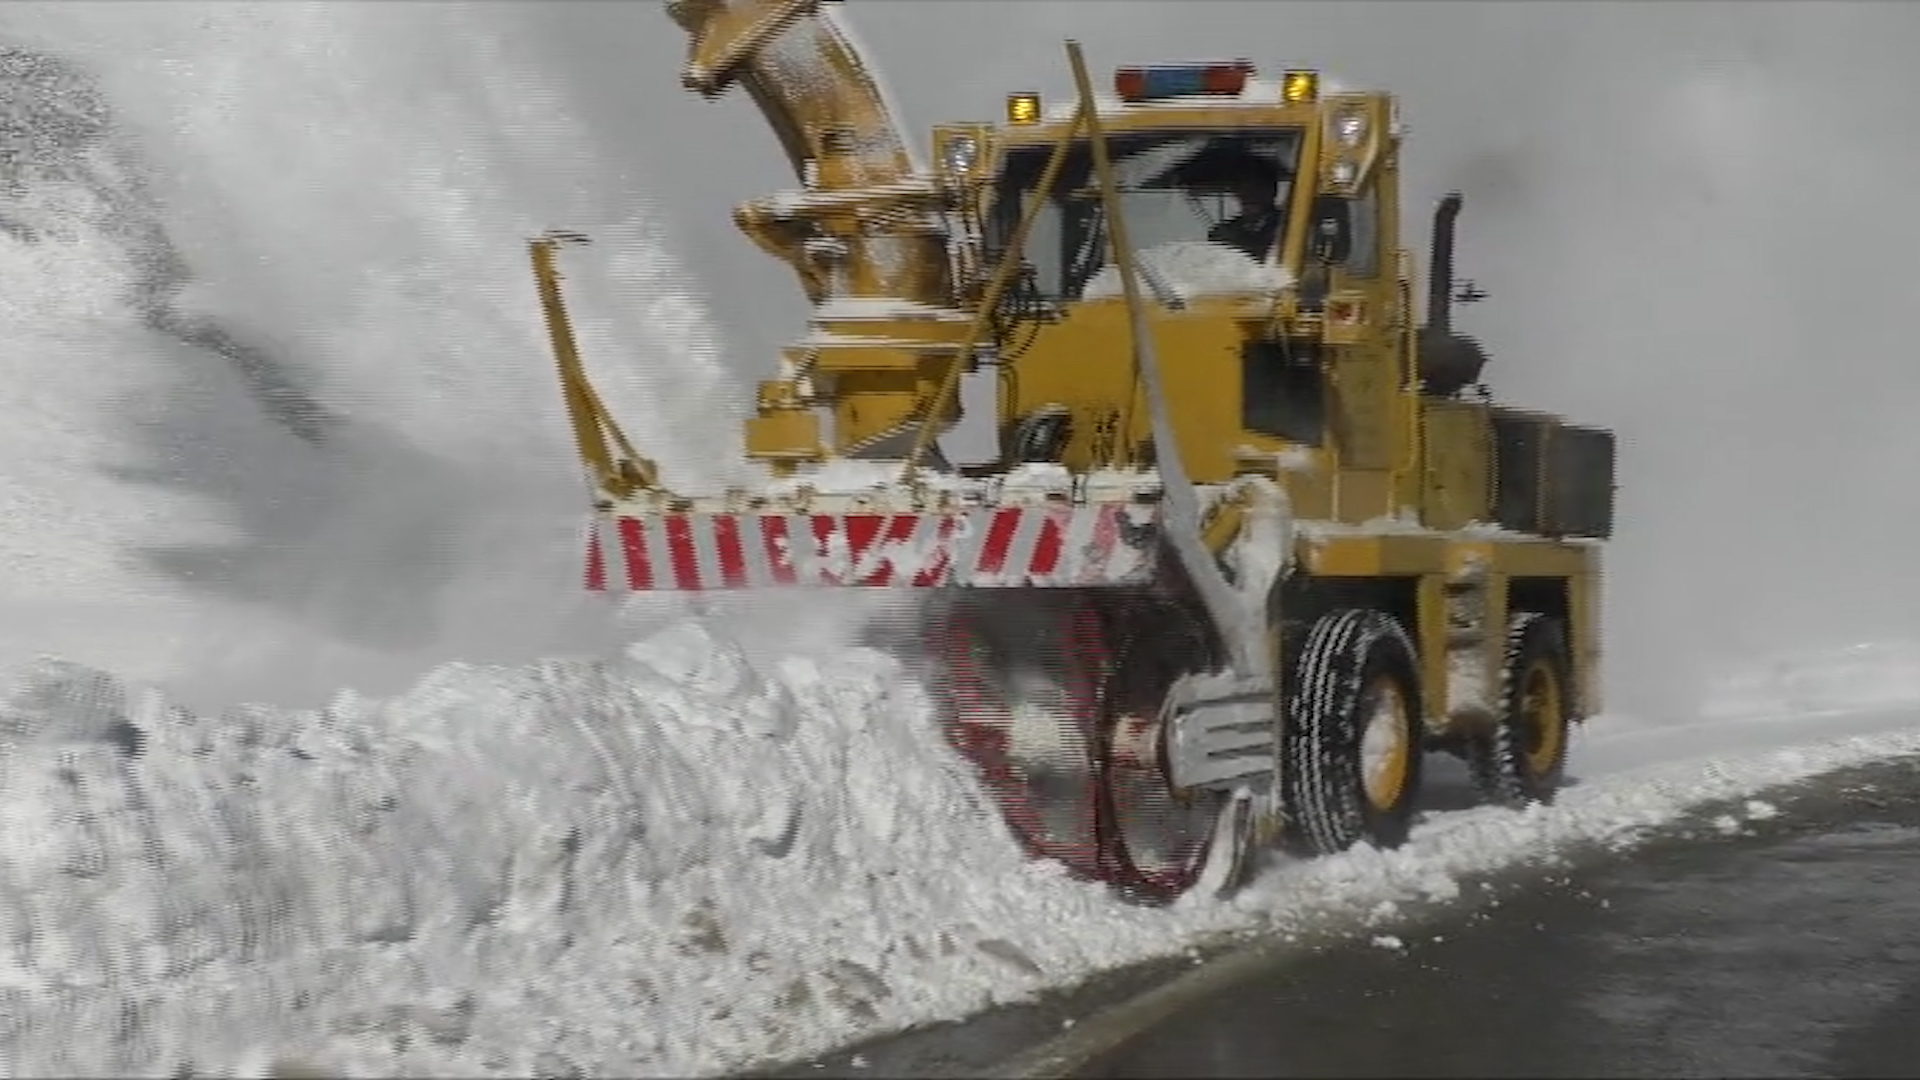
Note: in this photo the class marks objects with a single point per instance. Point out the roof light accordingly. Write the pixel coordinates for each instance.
(1023, 108)
(1220, 79)
(1300, 87)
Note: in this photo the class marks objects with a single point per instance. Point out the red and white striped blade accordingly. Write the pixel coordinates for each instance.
(1033, 546)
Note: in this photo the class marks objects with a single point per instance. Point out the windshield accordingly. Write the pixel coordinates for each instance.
(1206, 212)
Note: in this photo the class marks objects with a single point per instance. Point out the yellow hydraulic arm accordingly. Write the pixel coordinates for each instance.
(593, 427)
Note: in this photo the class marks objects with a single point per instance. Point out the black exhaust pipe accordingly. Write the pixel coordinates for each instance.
(1449, 362)
(1440, 270)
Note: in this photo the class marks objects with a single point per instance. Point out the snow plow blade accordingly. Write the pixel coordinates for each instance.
(1105, 544)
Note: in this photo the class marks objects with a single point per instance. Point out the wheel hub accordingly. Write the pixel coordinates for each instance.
(1384, 745)
(1545, 717)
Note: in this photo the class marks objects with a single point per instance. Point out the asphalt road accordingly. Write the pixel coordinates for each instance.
(1791, 949)
(1784, 947)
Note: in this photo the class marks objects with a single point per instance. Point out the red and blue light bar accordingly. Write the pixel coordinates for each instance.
(1224, 78)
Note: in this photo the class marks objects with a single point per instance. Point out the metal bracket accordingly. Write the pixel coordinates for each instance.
(1217, 732)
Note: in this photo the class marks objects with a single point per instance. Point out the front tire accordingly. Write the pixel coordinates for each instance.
(1351, 739)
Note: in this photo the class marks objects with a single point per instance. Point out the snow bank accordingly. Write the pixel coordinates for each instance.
(679, 860)
(669, 862)
(1868, 675)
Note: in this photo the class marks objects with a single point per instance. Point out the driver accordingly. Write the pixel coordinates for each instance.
(1256, 228)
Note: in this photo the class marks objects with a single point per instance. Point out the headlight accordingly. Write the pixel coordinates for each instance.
(1350, 130)
(1342, 174)
(962, 152)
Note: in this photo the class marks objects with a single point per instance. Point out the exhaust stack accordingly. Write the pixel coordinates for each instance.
(1449, 362)
(1440, 270)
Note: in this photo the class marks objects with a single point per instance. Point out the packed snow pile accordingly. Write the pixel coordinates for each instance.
(693, 855)
(670, 861)
(1194, 268)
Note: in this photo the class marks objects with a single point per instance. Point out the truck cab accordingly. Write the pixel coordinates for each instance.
(1261, 214)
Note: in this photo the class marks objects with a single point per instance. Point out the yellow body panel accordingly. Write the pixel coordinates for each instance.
(1458, 489)
(1084, 362)
(1430, 560)
(784, 435)
(1411, 554)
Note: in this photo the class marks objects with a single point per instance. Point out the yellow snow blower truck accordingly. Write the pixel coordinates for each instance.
(1254, 542)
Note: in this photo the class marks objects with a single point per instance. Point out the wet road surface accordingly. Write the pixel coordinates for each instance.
(1791, 948)
(1742, 945)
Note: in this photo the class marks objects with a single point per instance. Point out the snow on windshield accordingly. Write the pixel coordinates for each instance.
(1191, 268)
(1178, 192)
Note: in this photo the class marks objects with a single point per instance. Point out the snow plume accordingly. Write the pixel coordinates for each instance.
(348, 188)
(358, 180)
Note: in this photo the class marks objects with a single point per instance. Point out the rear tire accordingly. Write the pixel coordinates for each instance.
(1523, 760)
(1351, 741)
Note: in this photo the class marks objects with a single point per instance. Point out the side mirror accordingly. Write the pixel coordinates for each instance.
(1330, 229)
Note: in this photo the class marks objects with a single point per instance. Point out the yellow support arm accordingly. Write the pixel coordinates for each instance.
(620, 475)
